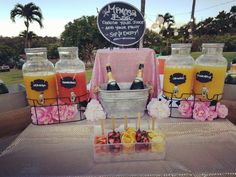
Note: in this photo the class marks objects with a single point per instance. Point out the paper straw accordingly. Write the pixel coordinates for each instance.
(153, 123)
(113, 123)
(139, 120)
(103, 126)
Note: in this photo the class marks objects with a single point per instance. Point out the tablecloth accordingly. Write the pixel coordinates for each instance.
(192, 149)
(124, 64)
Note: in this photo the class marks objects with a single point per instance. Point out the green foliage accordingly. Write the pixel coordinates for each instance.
(83, 33)
(228, 55)
(229, 40)
(13, 47)
(6, 54)
(31, 36)
(223, 23)
(52, 51)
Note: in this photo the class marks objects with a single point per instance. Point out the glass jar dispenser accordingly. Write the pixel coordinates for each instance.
(39, 77)
(71, 76)
(178, 72)
(210, 72)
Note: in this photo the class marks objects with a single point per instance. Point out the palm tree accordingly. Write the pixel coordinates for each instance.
(168, 19)
(167, 29)
(31, 35)
(30, 12)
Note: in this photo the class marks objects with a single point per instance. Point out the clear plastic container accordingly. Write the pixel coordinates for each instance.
(119, 152)
(178, 72)
(71, 76)
(210, 72)
(39, 77)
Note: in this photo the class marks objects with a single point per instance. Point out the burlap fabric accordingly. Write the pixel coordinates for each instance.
(192, 149)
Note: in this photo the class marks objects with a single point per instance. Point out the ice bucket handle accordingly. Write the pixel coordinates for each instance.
(150, 87)
(96, 89)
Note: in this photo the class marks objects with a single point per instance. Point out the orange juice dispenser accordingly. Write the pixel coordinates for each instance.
(39, 78)
(178, 72)
(71, 76)
(210, 72)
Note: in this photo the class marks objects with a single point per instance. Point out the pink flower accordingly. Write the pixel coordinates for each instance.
(62, 112)
(202, 103)
(50, 114)
(41, 115)
(221, 110)
(212, 114)
(187, 114)
(71, 111)
(200, 112)
(185, 106)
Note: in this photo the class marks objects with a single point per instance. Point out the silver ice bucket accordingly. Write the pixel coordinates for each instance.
(124, 102)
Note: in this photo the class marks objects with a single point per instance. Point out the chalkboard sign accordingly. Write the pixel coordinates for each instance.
(177, 78)
(39, 85)
(121, 23)
(204, 76)
(68, 82)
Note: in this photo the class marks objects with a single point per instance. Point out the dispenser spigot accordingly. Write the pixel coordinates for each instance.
(41, 99)
(204, 92)
(176, 90)
(72, 97)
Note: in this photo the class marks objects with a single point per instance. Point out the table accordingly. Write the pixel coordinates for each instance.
(192, 149)
(124, 64)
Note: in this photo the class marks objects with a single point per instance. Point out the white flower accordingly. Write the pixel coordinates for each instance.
(158, 109)
(94, 111)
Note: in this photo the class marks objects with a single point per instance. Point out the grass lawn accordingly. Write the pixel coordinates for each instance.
(228, 55)
(15, 76)
(12, 77)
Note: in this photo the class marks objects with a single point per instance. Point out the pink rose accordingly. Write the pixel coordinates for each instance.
(41, 115)
(185, 106)
(65, 111)
(61, 112)
(47, 119)
(212, 114)
(202, 103)
(71, 111)
(187, 114)
(200, 112)
(221, 110)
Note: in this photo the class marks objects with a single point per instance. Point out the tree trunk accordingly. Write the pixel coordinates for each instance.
(192, 19)
(27, 34)
(143, 12)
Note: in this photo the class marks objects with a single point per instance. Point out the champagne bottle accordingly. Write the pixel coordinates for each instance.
(138, 82)
(111, 84)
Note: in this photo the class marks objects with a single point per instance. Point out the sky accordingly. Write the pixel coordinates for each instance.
(57, 13)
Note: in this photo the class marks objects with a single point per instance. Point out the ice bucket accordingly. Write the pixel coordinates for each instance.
(124, 102)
